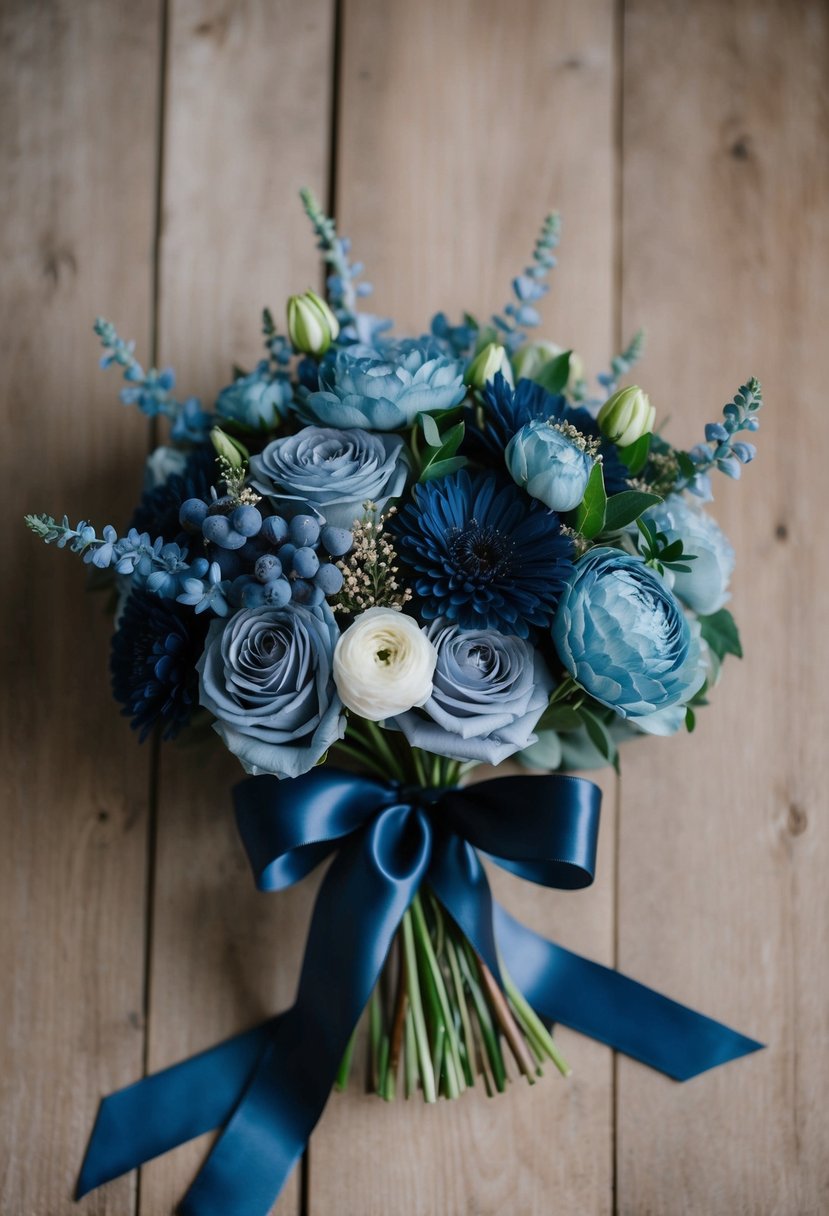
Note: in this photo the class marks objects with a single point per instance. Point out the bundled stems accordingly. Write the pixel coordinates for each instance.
(442, 1020)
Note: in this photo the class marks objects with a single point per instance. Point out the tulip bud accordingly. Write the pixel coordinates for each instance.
(530, 360)
(488, 361)
(626, 416)
(229, 449)
(312, 326)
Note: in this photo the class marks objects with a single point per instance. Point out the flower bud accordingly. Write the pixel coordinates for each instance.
(312, 326)
(230, 449)
(491, 359)
(529, 361)
(626, 416)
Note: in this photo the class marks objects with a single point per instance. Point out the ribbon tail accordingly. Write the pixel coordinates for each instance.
(360, 904)
(611, 1007)
(160, 1112)
(566, 988)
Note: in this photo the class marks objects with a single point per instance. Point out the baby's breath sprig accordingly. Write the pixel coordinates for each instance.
(588, 444)
(370, 568)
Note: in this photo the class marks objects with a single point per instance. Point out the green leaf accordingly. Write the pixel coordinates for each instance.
(555, 374)
(430, 430)
(686, 465)
(720, 632)
(623, 508)
(589, 517)
(635, 456)
(440, 468)
(690, 720)
(451, 440)
(598, 734)
(560, 718)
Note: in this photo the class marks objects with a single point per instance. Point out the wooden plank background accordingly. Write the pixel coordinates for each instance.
(151, 154)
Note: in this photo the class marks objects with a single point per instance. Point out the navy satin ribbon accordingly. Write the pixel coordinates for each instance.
(266, 1088)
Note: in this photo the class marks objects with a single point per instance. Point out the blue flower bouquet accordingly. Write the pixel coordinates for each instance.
(374, 565)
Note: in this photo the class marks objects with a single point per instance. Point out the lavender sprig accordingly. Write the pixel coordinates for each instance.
(529, 286)
(720, 449)
(623, 363)
(156, 564)
(343, 286)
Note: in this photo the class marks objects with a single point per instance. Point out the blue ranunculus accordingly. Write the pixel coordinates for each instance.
(623, 636)
(330, 471)
(704, 588)
(550, 465)
(257, 400)
(266, 675)
(385, 389)
(488, 692)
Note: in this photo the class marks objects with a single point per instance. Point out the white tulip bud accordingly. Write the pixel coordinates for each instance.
(530, 360)
(312, 326)
(626, 416)
(491, 359)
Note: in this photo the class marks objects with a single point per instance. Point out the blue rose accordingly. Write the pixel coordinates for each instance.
(385, 389)
(266, 676)
(331, 472)
(488, 692)
(257, 400)
(551, 464)
(623, 636)
(705, 586)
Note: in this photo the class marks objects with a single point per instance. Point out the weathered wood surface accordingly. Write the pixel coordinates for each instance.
(686, 146)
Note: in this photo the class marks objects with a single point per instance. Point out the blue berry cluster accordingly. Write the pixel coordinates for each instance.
(264, 559)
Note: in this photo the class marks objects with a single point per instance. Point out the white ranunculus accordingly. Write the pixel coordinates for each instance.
(383, 664)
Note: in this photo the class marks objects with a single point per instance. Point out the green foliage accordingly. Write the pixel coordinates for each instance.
(439, 456)
(660, 552)
(623, 509)
(720, 632)
(555, 374)
(589, 517)
(635, 456)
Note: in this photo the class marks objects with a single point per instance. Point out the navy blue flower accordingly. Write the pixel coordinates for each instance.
(153, 662)
(508, 409)
(157, 513)
(483, 554)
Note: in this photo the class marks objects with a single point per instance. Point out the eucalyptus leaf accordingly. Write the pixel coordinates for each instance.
(590, 514)
(598, 734)
(624, 508)
(720, 632)
(440, 468)
(635, 456)
(431, 432)
(451, 441)
(555, 374)
(559, 718)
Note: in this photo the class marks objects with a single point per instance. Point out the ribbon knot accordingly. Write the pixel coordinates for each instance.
(267, 1088)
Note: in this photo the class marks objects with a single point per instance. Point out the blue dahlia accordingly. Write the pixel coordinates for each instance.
(508, 409)
(483, 554)
(157, 513)
(153, 662)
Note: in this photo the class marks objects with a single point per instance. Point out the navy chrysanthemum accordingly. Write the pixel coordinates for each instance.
(483, 554)
(157, 513)
(507, 409)
(153, 662)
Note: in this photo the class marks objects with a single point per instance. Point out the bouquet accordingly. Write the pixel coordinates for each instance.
(374, 565)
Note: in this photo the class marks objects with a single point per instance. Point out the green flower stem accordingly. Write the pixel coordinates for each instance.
(536, 1031)
(377, 741)
(511, 1031)
(419, 1032)
(375, 1031)
(344, 1071)
(469, 965)
(409, 1052)
(425, 940)
(463, 1011)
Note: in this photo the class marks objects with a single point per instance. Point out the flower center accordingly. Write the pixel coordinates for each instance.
(481, 550)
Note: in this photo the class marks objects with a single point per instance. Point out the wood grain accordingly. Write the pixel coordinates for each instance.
(77, 148)
(247, 116)
(723, 900)
(459, 126)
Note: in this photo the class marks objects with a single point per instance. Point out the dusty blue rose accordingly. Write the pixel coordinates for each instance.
(704, 588)
(385, 389)
(549, 465)
(330, 471)
(623, 636)
(488, 692)
(257, 400)
(265, 674)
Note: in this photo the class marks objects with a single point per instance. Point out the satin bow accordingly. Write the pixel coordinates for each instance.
(267, 1088)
